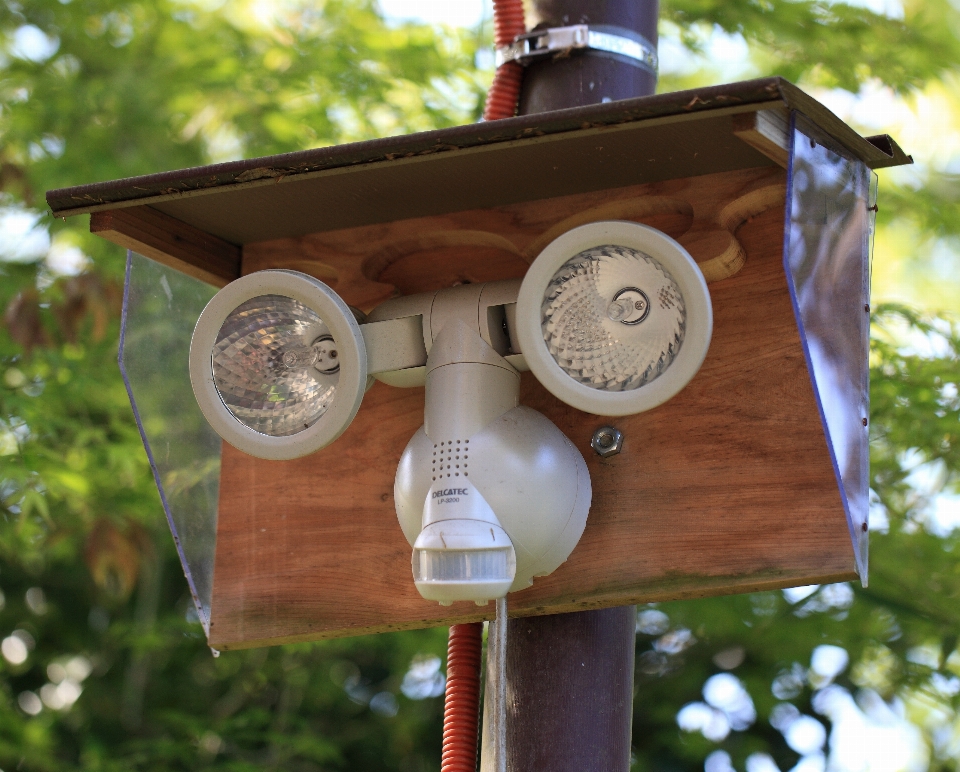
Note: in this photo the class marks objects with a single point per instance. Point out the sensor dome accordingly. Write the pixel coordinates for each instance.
(535, 491)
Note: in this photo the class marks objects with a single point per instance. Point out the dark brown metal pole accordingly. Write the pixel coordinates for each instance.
(570, 676)
(570, 691)
(590, 77)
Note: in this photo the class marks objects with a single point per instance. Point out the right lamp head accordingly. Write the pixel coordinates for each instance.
(614, 318)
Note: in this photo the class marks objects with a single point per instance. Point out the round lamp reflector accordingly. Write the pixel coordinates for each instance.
(614, 318)
(603, 331)
(278, 364)
(275, 365)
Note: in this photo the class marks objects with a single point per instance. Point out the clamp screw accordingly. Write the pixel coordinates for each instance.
(607, 441)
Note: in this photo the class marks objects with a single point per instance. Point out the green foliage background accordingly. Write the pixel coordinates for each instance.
(91, 587)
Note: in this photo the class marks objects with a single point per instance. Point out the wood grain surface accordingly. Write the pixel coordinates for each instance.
(726, 488)
(766, 131)
(370, 264)
(171, 242)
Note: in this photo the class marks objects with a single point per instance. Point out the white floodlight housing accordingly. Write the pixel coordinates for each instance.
(278, 364)
(489, 493)
(489, 489)
(614, 318)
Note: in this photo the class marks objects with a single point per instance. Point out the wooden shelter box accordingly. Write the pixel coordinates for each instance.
(727, 488)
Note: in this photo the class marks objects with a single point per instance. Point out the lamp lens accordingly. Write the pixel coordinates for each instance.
(275, 365)
(613, 318)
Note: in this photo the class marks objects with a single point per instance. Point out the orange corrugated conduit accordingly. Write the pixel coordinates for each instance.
(461, 709)
(462, 701)
(508, 22)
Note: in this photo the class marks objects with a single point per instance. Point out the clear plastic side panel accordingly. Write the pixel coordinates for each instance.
(830, 208)
(160, 308)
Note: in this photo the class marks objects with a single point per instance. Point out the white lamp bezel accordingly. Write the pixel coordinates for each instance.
(338, 318)
(681, 266)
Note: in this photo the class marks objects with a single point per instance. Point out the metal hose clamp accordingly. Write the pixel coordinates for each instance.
(614, 41)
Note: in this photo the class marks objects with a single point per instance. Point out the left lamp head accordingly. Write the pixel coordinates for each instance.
(278, 364)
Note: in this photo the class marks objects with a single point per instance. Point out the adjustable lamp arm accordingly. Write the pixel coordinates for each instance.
(400, 332)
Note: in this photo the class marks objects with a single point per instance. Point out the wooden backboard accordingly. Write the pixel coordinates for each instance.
(726, 488)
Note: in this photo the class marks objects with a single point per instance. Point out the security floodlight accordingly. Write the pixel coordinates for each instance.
(613, 318)
(762, 187)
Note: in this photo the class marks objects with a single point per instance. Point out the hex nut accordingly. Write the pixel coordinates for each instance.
(607, 441)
